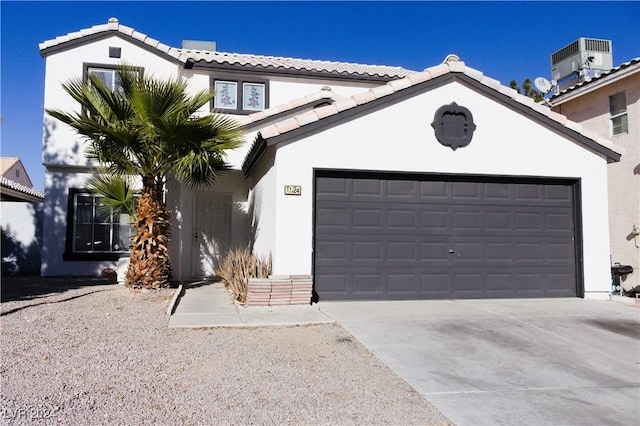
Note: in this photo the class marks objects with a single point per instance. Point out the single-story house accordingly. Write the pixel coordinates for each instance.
(381, 182)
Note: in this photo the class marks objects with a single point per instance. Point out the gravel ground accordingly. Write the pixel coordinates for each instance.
(102, 354)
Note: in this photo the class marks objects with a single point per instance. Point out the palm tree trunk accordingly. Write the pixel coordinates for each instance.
(149, 266)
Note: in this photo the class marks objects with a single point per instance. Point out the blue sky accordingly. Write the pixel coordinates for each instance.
(504, 40)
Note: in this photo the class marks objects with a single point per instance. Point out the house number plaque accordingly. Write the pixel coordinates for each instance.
(292, 190)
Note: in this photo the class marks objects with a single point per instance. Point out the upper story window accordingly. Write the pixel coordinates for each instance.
(240, 96)
(108, 74)
(618, 112)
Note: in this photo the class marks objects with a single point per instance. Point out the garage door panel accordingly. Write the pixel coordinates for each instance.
(332, 281)
(332, 188)
(435, 285)
(435, 191)
(498, 192)
(369, 218)
(465, 220)
(434, 219)
(403, 251)
(500, 283)
(413, 239)
(527, 192)
(498, 221)
(402, 190)
(435, 251)
(367, 283)
(367, 251)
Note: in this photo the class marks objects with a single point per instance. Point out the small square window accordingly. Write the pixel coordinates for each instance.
(226, 95)
(253, 97)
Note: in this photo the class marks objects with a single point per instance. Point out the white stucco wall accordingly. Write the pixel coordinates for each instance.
(400, 138)
(63, 149)
(23, 223)
(60, 143)
(54, 227)
(262, 206)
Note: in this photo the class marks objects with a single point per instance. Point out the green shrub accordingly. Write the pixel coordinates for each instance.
(237, 266)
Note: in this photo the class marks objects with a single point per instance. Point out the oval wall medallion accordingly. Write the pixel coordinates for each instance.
(453, 125)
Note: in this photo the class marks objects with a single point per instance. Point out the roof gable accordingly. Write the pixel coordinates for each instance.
(11, 168)
(6, 163)
(397, 90)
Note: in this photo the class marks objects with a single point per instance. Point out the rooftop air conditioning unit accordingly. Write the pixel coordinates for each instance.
(209, 46)
(581, 60)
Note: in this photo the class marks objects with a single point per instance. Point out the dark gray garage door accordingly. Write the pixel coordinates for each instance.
(425, 237)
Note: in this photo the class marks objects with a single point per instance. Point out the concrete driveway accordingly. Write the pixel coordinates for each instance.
(488, 362)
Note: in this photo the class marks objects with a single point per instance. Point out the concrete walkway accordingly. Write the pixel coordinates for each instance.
(208, 304)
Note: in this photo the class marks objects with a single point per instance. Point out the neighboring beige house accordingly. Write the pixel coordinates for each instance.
(610, 105)
(20, 217)
(11, 168)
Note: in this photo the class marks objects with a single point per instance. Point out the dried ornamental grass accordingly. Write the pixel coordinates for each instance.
(238, 266)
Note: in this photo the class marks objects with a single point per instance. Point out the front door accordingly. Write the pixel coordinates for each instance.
(211, 231)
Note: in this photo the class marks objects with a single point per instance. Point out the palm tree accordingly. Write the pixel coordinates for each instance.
(150, 128)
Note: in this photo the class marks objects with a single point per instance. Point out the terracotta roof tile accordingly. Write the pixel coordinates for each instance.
(382, 91)
(419, 77)
(7, 183)
(284, 63)
(512, 93)
(326, 111)
(455, 66)
(490, 82)
(438, 70)
(285, 107)
(562, 119)
(345, 104)
(269, 132)
(398, 85)
(364, 97)
(474, 74)
(307, 118)
(287, 125)
(125, 30)
(244, 60)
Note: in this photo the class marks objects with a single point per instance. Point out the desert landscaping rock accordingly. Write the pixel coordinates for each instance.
(103, 354)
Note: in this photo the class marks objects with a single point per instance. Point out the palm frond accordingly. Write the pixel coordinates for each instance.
(117, 193)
